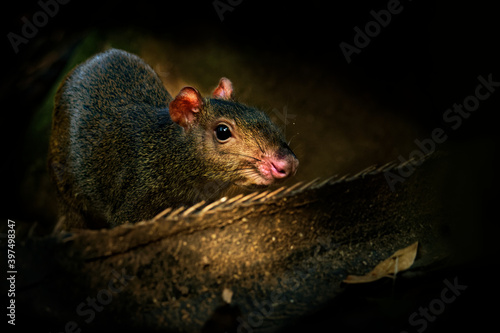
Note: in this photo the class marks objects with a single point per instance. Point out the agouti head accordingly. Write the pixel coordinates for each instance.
(240, 144)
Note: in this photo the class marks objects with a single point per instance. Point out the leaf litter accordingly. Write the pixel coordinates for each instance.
(401, 260)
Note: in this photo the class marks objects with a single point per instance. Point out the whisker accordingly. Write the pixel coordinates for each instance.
(258, 145)
(237, 154)
(293, 136)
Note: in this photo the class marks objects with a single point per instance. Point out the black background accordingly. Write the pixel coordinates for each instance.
(429, 56)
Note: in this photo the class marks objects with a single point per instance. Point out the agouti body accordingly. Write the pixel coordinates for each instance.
(122, 149)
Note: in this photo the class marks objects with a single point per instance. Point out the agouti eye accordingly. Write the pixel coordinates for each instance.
(222, 132)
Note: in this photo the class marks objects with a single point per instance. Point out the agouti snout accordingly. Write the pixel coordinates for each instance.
(122, 149)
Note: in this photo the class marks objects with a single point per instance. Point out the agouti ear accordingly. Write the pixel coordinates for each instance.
(224, 90)
(185, 106)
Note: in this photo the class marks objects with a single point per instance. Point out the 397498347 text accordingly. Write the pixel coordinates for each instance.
(11, 272)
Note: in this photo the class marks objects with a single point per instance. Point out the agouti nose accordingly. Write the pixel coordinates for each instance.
(284, 164)
(284, 167)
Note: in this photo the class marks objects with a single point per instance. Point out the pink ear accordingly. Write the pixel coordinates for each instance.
(224, 90)
(185, 106)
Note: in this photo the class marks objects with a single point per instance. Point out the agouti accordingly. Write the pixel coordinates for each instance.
(122, 149)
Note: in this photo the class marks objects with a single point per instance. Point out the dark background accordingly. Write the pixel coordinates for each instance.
(439, 47)
(424, 61)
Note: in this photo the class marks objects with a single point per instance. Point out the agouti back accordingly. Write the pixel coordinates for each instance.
(122, 149)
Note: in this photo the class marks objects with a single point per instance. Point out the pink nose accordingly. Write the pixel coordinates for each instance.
(282, 168)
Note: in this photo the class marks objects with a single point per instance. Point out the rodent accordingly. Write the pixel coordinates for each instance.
(122, 149)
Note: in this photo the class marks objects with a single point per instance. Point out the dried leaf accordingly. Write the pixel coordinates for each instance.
(399, 261)
(227, 295)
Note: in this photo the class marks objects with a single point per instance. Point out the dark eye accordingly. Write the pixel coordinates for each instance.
(222, 132)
